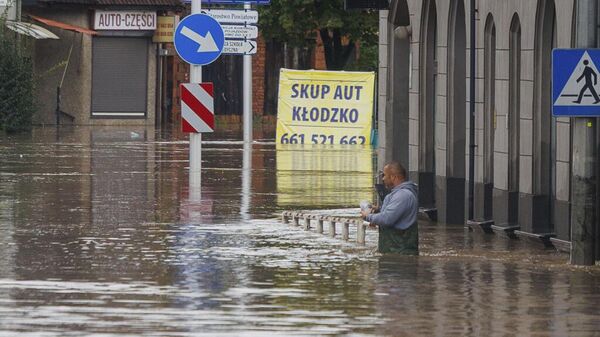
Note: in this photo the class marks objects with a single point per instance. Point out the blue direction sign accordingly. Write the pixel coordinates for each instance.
(199, 39)
(575, 82)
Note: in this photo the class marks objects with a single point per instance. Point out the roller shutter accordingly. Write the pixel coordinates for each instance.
(119, 77)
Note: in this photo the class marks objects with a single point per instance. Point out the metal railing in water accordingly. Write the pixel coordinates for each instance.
(307, 219)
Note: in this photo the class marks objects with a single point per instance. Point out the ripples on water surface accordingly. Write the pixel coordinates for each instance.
(99, 235)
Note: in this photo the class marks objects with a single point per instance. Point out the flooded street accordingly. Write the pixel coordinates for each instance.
(100, 235)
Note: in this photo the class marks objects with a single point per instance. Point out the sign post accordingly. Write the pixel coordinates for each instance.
(199, 40)
(195, 182)
(247, 92)
(239, 34)
(574, 94)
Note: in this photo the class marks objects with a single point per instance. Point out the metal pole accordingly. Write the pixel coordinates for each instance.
(246, 181)
(583, 191)
(472, 145)
(247, 92)
(158, 114)
(195, 138)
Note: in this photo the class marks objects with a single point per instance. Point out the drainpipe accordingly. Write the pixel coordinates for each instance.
(472, 145)
(583, 180)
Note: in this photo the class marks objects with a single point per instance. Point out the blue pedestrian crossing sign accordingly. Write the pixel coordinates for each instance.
(575, 82)
(199, 39)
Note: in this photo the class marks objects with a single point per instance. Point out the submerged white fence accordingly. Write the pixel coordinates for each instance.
(306, 220)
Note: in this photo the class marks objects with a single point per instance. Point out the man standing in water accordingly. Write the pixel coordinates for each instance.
(397, 220)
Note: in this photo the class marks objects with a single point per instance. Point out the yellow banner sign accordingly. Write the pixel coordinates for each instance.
(325, 107)
(165, 28)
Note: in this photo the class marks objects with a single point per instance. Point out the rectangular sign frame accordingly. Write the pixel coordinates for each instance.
(241, 16)
(318, 107)
(240, 31)
(240, 47)
(573, 91)
(124, 20)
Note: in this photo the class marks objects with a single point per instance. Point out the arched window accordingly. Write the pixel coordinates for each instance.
(427, 99)
(514, 116)
(456, 100)
(489, 113)
(544, 125)
(454, 212)
(489, 99)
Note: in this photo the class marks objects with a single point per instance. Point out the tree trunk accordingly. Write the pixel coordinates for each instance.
(275, 61)
(336, 54)
(296, 58)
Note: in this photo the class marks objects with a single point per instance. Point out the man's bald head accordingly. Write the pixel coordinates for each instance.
(397, 169)
(393, 174)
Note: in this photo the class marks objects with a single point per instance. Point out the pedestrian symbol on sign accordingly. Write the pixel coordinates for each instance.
(588, 72)
(580, 89)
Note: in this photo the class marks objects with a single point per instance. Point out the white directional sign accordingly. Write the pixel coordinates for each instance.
(240, 47)
(232, 16)
(240, 32)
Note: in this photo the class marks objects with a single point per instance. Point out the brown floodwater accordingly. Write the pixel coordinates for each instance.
(100, 235)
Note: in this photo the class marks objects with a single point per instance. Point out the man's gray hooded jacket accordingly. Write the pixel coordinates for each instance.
(399, 209)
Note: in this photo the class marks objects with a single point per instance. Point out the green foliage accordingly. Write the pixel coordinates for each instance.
(17, 89)
(296, 22)
(368, 59)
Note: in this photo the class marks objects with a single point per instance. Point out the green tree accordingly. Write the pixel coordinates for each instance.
(296, 23)
(17, 90)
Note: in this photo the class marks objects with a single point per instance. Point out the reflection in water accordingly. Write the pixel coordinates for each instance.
(320, 176)
(246, 181)
(100, 234)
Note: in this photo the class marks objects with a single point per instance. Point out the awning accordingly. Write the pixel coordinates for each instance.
(30, 29)
(62, 25)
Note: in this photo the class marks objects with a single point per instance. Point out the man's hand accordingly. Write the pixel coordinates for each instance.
(363, 215)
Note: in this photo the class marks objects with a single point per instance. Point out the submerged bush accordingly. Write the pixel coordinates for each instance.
(17, 95)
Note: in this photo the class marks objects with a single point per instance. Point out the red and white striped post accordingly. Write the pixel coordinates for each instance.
(197, 107)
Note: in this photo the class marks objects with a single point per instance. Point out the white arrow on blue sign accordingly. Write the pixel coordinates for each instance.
(199, 39)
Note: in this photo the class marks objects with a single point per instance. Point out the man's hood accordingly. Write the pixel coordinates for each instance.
(408, 185)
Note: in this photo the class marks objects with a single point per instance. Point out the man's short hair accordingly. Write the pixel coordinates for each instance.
(397, 168)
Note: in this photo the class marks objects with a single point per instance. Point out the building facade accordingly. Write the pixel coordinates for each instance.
(523, 154)
(111, 68)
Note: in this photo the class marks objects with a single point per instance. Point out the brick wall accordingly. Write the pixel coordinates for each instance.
(258, 77)
(319, 55)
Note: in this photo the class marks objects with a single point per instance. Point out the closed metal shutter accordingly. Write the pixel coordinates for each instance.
(119, 77)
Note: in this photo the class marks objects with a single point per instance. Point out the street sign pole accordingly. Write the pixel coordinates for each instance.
(584, 169)
(195, 138)
(247, 92)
